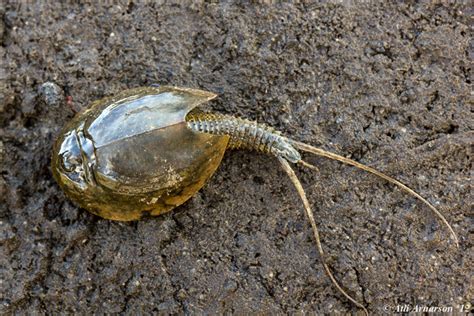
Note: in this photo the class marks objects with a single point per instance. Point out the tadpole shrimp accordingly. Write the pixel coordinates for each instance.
(148, 150)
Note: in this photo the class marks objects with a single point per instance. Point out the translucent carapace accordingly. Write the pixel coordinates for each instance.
(133, 153)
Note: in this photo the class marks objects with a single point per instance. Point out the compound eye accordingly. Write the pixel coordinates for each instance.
(70, 162)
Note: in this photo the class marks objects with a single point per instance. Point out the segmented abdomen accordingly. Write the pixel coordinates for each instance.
(243, 133)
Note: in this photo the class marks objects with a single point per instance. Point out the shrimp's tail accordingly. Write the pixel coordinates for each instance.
(323, 153)
(309, 214)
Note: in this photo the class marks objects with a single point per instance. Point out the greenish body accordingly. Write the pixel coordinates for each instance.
(133, 153)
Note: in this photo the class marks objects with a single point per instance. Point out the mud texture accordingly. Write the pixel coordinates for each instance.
(387, 85)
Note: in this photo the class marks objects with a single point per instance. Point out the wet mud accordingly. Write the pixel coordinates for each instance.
(386, 85)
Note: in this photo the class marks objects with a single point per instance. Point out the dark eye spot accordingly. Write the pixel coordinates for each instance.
(69, 162)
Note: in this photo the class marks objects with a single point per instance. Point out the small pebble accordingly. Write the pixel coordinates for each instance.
(51, 94)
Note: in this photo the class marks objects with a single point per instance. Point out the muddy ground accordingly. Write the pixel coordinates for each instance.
(388, 86)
